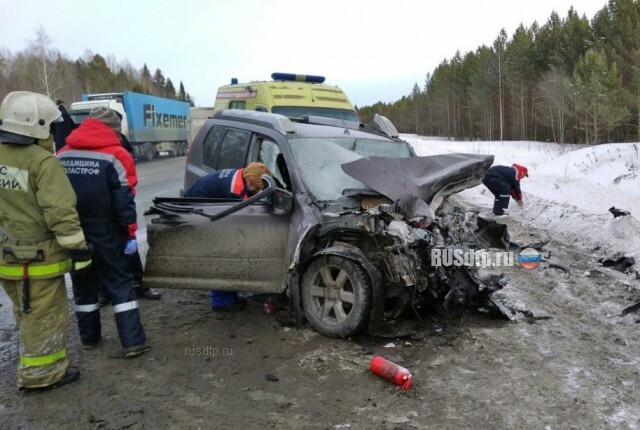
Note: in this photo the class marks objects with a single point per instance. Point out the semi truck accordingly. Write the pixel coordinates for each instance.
(155, 126)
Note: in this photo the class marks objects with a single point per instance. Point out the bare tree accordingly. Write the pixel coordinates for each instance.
(49, 78)
(112, 63)
(499, 46)
(129, 69)
(553, 103)
(88, 55)
(5, 64)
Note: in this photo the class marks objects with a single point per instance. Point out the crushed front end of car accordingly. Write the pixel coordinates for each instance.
(390, 230)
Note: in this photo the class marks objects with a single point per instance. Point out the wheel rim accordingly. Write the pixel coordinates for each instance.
(332, 295)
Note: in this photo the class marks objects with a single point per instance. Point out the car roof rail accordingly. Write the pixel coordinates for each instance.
(273, 121)
(381, 125)
(335, 122)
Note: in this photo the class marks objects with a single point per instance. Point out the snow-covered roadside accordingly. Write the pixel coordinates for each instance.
(586, 344)
(569, 189)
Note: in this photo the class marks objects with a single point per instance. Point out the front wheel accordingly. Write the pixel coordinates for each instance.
(336, 296)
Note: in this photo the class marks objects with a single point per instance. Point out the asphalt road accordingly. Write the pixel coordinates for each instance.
(162, 177)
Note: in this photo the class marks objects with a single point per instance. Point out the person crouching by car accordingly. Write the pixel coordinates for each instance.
(229, 184)
(504, 182)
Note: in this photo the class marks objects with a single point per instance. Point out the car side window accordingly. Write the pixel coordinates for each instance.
(233, 149)
(271, 155)
(210, 146)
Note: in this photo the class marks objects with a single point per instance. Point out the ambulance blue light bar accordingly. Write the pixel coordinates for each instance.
(297, 78)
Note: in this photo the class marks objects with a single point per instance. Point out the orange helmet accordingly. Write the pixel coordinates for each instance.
(521, 171)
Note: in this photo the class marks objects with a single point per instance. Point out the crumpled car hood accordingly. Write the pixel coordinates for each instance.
(419, 184)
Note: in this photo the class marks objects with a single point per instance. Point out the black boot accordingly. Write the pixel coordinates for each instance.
(71, 375)
(147, 293)
(500, 204)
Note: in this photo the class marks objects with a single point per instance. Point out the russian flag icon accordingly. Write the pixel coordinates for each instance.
(529, 259)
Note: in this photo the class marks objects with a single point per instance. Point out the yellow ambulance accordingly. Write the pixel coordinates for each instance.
(288, 94)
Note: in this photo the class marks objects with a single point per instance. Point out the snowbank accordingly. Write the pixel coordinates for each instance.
(569, 190)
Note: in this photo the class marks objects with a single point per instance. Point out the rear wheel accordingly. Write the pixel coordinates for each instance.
(336, 296)
(148, 152)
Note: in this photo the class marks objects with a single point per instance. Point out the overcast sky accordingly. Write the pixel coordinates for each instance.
(374, 50)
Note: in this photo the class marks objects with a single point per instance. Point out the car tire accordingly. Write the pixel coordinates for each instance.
(336, 309)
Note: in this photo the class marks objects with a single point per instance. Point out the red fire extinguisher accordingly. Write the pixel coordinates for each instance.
(391, 371)
(269, 307)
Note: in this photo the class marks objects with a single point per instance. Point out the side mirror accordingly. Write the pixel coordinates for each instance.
(282, 199)
(385, 125)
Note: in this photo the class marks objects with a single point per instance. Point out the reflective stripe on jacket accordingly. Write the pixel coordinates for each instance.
(42, 271)
(38, 208)
(221, 184)
(43, 360)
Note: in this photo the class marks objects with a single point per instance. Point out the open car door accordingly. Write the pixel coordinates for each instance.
(219, 244)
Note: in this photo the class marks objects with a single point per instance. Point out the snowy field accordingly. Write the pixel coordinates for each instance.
(569, 190)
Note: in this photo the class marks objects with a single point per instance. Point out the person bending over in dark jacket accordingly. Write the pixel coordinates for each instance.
(504, 182)
(229, 183)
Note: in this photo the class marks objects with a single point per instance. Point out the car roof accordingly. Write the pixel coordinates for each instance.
(302, 127)
(316, 130)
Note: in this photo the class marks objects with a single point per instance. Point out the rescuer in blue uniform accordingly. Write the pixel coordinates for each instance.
(504, 182)
(229, 184)
(103, 176)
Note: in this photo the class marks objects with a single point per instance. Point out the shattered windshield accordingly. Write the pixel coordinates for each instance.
(320, 160)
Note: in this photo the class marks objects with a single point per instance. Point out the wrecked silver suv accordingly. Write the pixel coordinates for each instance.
(344, 227)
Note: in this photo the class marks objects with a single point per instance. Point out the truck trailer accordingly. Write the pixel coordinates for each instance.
(154, 125)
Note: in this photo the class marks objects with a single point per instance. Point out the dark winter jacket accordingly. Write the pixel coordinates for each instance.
(126, 144)
(222, 184)
(62, 129)
(103, 176)
(499, 177)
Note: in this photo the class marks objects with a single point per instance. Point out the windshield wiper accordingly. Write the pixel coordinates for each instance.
(352, 192)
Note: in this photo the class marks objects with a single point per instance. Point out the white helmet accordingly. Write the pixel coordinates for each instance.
(25, 116)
